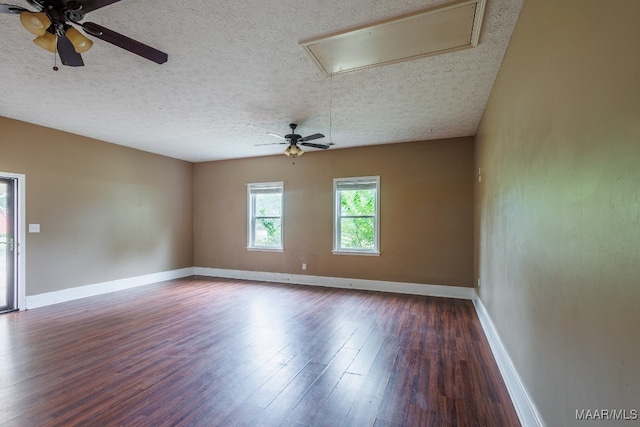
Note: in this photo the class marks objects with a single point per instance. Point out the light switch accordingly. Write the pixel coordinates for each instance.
(34, 228)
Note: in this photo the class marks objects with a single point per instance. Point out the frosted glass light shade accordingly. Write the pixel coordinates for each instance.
(80, 43)
(293, 150)
(35, 22)
(48, 42)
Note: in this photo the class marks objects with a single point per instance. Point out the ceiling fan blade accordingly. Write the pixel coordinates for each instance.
(68, 54)
(37, 4)
(276, 135)
(311, 137)
(9, 8)
(89, 5)
(125, 42)
(314, 145)
(272, 143)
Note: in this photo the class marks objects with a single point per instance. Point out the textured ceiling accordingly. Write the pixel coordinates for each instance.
(236, 72)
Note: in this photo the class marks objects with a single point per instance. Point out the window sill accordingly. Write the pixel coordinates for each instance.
(376, 253)
(253, 249)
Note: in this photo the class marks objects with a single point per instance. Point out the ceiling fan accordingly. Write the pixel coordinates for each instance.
(52, 24)
(293, 139)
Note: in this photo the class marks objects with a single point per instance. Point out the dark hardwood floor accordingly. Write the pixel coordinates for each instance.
(218, 352)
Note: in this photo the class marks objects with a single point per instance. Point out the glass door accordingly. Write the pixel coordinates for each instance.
(8, 284)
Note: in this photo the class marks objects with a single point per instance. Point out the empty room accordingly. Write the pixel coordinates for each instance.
(371, 213)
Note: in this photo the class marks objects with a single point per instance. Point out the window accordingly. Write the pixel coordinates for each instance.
(356, 215)
(265, 215)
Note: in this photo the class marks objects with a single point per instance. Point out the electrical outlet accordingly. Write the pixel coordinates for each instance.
(304, 266)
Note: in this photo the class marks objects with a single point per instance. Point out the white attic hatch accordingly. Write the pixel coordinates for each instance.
(433, 31)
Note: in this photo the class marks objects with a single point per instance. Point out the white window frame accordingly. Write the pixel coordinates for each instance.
(252, 190)
(374, 182)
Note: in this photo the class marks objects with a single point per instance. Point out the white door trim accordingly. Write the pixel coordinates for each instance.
(20, 192)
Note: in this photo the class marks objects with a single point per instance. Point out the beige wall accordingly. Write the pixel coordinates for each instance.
(106, 212)
(558, 222)
(426, 211)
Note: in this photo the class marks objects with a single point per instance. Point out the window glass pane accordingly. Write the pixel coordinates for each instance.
(357, 233)
(267, 232)
(268, 204)
(356, 213)
(264, 221)
(358, 202)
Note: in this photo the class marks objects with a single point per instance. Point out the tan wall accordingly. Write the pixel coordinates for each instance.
(106, 212)
(558, 222)
(426, 233)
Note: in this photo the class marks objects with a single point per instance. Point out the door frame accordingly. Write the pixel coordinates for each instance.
(20, 235)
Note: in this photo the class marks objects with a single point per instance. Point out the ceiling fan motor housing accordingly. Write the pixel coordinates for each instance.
(293, 137)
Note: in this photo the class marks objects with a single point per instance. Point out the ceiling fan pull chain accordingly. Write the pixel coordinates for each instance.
(55, 60)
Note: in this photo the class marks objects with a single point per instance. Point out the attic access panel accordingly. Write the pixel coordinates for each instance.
(433, 31)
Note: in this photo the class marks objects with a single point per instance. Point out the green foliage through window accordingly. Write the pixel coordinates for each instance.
(356, 215)
(357, 232)
(265, 215)
(267, 232)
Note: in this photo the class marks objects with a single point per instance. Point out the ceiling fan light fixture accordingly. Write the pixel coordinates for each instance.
(80, 43)
(48, 42)
(293, 150)
(35, 22)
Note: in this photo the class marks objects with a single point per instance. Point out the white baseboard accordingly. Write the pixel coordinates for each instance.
(338, 282)
(48, 298)
(525, 407)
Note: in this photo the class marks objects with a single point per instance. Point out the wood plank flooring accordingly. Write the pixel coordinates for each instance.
(217, 352)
